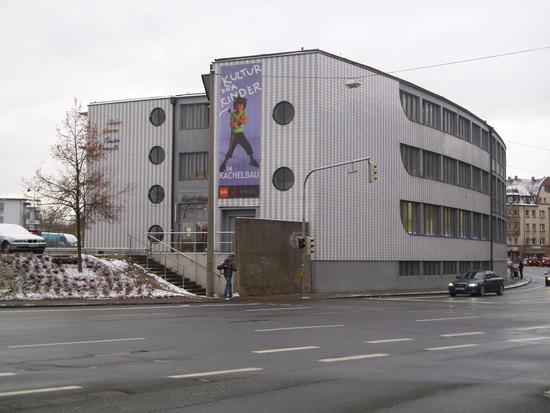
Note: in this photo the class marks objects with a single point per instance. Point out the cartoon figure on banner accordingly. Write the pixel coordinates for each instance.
(237, 123)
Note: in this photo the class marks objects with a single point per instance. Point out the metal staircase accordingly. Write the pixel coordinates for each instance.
(167, 274)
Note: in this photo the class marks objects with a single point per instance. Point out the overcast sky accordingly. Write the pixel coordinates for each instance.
(53, 51)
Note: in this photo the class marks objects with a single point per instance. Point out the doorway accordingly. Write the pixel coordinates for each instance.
(227, 239)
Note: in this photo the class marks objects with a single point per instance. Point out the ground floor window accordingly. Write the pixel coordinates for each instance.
(193, 227)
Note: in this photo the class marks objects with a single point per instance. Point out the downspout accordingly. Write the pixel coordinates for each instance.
(173, 204)
(491, 240)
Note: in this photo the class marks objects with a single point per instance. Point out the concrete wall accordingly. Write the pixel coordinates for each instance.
(267, 263)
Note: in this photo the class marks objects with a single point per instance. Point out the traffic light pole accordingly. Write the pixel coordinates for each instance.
(336, 165)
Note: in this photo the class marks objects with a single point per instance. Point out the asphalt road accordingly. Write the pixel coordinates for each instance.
(401, 354)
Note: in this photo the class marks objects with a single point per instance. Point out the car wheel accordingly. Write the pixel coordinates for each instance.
(6, 247)
(500, 290)
(482, 291)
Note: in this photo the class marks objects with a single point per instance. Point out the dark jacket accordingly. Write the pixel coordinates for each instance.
(228, 267)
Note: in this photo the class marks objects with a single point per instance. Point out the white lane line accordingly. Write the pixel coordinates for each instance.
(128, 315)
(122, 353)
(390, 340)
(43, 390)
(531, 328)
(215, 373)
(451, 347)
(297, 328)
(470, 333)
(359, 357)
(78, 342)
(280, 350)
(520, 340)
(444, 319)
(279, 309)
(7, 374)
(163, 307)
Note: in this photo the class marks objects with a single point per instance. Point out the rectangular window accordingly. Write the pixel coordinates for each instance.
(527, 227)
(534, 226)
(464, 175)
(477, 265)
(411, 105)
(485, 227)
(432, 220)
(409, 268)
(431, 114)
(194, 116)
(449, 222)
(431, 268)
(541, 213)
(542, 241)
(431, 165)
(464, 129)
(534, 213)
(541, 227)
(485, 182)
(193, 165)
(464, 266)
(411, 217)
(464, 224)
(476, 135)
(449, 267)
(476, 179)
(527, 241)
(411, 159)
(450, 172)
(449, 122)
(476, 225)
(485, 140)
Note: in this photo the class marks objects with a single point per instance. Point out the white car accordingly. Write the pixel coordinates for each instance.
(16, 238)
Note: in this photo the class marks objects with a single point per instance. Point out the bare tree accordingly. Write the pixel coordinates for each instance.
(79, 187)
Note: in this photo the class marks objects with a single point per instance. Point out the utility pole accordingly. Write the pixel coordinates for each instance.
(371, 179)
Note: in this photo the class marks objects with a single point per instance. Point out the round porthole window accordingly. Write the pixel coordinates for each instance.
(155, 233)
(283, 179)
(157, 117)
(156, 155)
(283, 113)
(156, 194)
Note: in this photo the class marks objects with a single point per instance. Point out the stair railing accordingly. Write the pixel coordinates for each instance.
(147, 248)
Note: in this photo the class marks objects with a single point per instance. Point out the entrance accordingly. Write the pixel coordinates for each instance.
(228, 226)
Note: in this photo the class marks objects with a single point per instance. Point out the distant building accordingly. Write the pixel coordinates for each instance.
(438, 207)
(19, 211)
(528, 205)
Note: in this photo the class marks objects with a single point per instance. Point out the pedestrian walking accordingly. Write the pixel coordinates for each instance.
(521, 269)
(228, 267)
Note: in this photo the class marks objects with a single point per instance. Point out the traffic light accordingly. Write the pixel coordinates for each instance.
(373, 172)
(310, 246)
(301, 243)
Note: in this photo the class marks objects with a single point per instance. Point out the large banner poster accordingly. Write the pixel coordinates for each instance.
(239, 120)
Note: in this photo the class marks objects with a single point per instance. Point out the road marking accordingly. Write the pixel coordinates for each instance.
(471, 333)
(279, 309)
(127, 315)
(32, 391)
(215, 373)
(444, 319)
(164, 307)
(279, 350)
(520, 340)
(78, 342)
(359, 357)
(7, 374)
(531, 328)
(298, 328)
(391, 340)
(451, 347)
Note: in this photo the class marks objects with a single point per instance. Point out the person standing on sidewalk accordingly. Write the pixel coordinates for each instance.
(228, 267)
(521, 269)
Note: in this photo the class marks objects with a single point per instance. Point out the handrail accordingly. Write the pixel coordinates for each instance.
(174, 249)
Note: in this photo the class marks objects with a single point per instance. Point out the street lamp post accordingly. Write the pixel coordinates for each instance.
(336, 165)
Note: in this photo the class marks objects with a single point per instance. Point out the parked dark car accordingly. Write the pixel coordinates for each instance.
(477, 283)
(547, 278)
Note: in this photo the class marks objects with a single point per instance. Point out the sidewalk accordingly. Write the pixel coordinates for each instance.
(75, 302)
